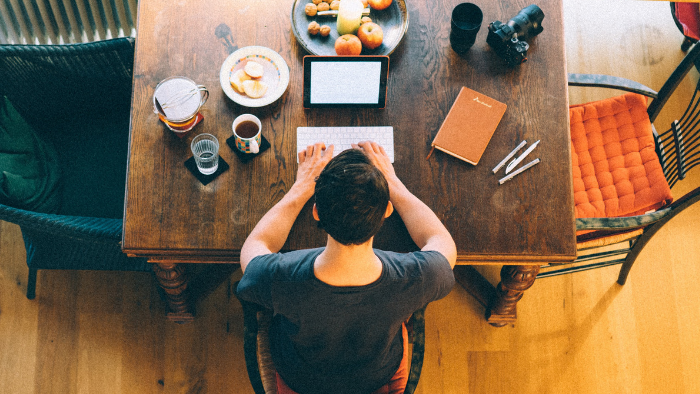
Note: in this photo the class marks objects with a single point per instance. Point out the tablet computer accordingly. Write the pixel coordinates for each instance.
(345, 81)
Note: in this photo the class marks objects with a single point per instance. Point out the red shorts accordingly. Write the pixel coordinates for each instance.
(396, 385)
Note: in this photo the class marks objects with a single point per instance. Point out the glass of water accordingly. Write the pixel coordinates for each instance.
(205, 148)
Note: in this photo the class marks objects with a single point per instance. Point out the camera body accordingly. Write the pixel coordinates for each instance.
(508, 39)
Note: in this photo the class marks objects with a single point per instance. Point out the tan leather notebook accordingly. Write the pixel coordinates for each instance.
(468, 126)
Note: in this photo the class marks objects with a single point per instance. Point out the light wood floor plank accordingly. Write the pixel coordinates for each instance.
(19, 317)
(57, 345)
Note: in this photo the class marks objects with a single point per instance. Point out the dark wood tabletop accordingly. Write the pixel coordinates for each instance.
(171, 217)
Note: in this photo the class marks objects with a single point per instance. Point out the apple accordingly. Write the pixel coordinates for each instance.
(370, 34)
(348, 45)
(379, 4)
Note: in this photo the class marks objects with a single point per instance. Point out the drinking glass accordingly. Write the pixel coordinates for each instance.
(349, 16)
(205, 148)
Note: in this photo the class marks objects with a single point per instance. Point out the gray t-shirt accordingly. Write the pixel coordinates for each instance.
(328, 339)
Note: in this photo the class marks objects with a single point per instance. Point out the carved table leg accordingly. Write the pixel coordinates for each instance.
(173, 281)
(515, 279)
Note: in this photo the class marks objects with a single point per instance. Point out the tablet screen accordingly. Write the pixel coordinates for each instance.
(357, 81)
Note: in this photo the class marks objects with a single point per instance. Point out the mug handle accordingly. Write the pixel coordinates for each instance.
(205, 95)
(254, 147)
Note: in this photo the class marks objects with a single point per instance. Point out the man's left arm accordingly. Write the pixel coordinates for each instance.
(271, 232)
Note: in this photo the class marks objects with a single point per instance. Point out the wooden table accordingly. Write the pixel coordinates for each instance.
(171, 218)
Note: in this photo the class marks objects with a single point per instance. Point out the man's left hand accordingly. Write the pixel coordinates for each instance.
(311, 163)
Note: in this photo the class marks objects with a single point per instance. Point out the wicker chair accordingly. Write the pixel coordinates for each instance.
(77, 98)
(677, 150)
(256, 346)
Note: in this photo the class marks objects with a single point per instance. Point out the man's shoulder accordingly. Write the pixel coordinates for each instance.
(292, 255)
(265, 273)
(427, 273)
(414, 263)
(429, 256)
(282, 263)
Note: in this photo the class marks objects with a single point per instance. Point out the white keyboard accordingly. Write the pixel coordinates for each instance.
(343, 137)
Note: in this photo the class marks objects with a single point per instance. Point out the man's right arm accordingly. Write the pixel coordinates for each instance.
(425, 228)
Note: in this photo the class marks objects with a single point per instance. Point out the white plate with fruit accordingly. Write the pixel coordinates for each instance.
(254, 76)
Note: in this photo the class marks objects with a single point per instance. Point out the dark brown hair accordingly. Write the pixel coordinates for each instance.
(351, 198)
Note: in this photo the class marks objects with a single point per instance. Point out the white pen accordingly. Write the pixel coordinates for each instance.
(520, 158)
(521, 169)
(510, 155)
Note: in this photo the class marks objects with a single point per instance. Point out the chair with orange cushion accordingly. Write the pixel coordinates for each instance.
(624, 169)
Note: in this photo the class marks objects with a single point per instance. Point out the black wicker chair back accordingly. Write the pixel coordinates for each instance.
(77, 97)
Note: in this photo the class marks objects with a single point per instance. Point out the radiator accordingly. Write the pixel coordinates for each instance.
(65, 21)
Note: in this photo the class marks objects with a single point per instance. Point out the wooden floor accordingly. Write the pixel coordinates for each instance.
(92, 332)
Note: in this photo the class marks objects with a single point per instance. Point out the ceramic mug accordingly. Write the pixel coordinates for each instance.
(247, 132)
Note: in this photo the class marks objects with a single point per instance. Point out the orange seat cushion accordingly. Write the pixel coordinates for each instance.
(616, 169)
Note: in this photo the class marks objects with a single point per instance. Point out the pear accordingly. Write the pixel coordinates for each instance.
(254, 89)
(237, 80)
(253, 69)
